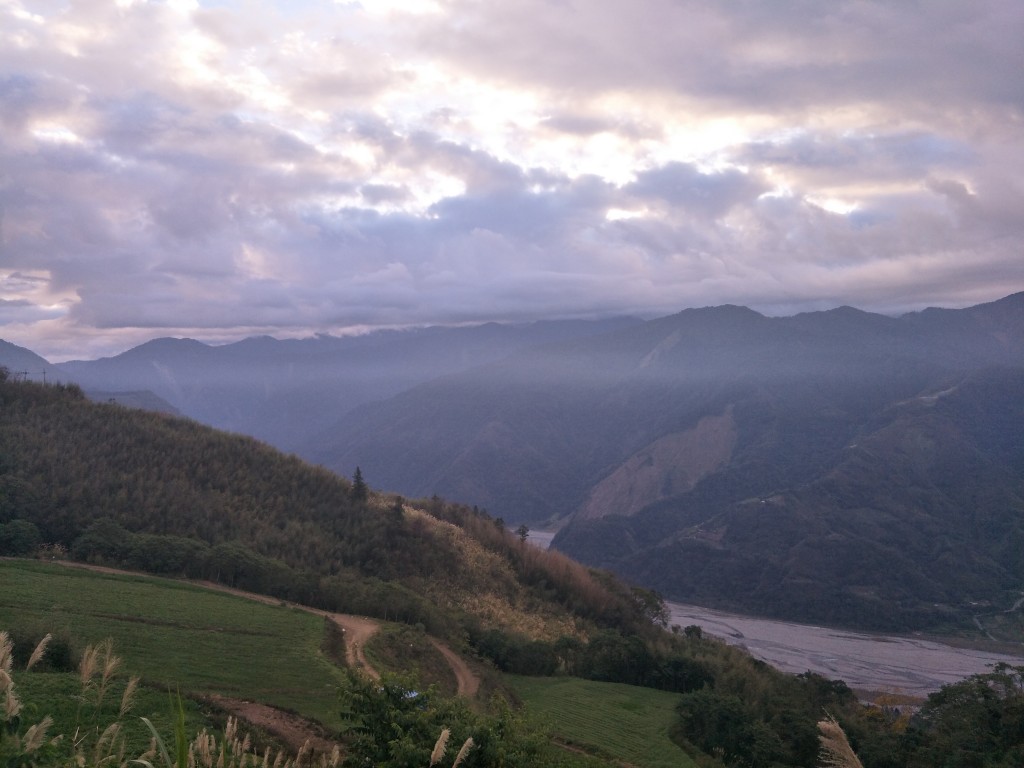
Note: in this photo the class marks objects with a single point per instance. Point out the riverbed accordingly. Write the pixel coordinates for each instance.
(866, 662)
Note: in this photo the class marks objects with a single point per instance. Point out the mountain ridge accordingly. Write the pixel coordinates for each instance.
(602, 433)
(531, 437)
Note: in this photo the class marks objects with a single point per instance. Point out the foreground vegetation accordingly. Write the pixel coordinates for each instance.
(102, 731)
(747, 715)
(162, 624)
(386, 725)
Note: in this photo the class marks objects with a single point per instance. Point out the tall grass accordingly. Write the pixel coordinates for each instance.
(98, 738)
(836, 751)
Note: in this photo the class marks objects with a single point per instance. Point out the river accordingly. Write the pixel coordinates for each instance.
(866, 662)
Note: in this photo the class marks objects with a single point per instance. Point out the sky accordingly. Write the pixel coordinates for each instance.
(225, 168)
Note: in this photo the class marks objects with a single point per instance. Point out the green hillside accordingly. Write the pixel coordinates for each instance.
(145, 491)
(212, 652)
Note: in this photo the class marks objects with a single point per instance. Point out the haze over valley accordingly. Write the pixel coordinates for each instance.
(835, 467)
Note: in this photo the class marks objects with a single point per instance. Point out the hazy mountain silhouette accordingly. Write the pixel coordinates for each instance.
(24, 363)
(282, 391)
(665, 445)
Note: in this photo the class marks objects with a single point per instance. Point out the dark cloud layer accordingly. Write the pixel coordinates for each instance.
(171, 168)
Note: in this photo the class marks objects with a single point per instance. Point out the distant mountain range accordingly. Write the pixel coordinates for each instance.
(284, 391)
(835, 466)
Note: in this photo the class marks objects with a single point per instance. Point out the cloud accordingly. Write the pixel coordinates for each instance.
(291, 168)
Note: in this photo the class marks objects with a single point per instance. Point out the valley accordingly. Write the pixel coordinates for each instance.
(868, 663)
(835, 467)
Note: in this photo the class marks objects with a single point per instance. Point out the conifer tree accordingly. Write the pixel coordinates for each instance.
(359, 491)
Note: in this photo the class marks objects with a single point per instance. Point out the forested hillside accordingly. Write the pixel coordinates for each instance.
(136, 489)
(836, 467)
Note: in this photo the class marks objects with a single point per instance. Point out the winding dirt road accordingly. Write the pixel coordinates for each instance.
(468, 681)
(357, 629)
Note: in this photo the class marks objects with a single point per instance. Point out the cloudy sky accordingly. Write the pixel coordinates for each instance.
(222, 168)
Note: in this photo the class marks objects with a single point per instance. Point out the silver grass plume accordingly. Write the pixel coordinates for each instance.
(40, 649)
(835, 748)
(439, 747)
(35, 735)
(6, 652)
(468, 745)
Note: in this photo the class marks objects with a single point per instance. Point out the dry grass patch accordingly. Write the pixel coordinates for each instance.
(484, 584)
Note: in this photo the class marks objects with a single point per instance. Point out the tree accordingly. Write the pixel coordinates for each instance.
(523, 532)
(975, 723)
(651, 605)
(359, 491)
(19, 537)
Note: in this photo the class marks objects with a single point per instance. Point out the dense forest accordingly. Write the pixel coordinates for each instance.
(111, 485)
(142, 490)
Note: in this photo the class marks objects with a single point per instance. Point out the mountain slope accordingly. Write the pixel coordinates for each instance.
(658, 444)
(23, 363)
(915, 523)
(142, 490)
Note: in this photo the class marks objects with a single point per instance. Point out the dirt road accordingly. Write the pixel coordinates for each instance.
(292, 729)
(357, 630)
(468, 682)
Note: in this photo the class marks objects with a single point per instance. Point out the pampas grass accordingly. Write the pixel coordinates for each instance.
(442, 744)
(836, 751)
(96, 746)
(439, 747)
(6, 654)
(11, 704)
(467, 745)
(128, 697)
(40, 649)
(36, 735)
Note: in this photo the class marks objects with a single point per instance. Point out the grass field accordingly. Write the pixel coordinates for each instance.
(181, 637)
(397, 648)
(59, 695)
(623, 721)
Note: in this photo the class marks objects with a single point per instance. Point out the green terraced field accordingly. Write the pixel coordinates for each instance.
(624, 721)
(179, 636)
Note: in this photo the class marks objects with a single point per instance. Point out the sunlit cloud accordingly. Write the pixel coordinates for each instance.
(221, 168)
